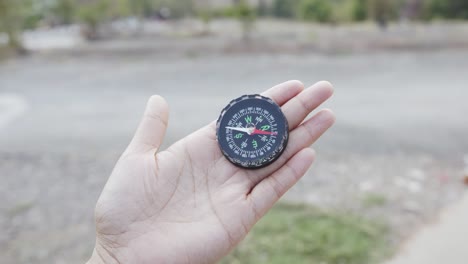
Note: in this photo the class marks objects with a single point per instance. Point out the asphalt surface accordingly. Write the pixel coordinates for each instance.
(64, 119)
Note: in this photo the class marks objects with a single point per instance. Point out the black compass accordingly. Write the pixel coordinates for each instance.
(252, 131)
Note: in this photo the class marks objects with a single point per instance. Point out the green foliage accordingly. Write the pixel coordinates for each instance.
(93, 13)
(13, 18)
(32, 20)
(342, 11)
(285, 8)
(446, 9)
(140, 8)
(359, 11)
(373, 200)
(316, 10)
(65, 11)
(205, 15)
(18, 15)
(243, 12)
(304, 234)
(178, 9)
(437, 8)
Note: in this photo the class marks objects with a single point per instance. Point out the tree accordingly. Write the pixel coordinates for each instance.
(448, 9)
(285, 8)
(359, 10)
(316, 10)
(64, 11)
(206, 15)
(11, 23)
(93, 14)
(246, 15)
(380, 10)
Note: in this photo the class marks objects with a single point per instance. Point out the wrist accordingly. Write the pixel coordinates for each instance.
(95, 259)
(101, 256)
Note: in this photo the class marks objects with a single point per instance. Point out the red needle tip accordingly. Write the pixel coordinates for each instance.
(261, 132)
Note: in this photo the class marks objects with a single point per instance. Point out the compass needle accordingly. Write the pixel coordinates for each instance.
(241, 129)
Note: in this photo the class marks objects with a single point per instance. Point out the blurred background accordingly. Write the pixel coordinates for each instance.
(75, 77)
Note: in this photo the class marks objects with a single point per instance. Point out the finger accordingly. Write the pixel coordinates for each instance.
(300, 106)
(269, 190)
(300, 138)
(283, 92)
(280, 93)
(152, 128)
(306, 134)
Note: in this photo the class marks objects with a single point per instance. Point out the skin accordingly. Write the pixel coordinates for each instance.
(188, 203)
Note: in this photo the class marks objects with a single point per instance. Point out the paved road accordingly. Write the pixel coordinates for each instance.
(418, 100)
(400, 133)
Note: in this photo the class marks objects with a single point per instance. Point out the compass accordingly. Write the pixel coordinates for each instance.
(252, 131)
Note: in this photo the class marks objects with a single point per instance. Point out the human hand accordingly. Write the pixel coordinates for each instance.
(189, 204)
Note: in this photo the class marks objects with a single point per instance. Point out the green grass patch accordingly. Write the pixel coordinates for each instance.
(304, 234)
(373, 200)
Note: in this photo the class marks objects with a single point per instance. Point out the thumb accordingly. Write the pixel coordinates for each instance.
(152, 128)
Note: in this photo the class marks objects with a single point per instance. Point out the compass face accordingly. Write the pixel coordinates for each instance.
(252, 131)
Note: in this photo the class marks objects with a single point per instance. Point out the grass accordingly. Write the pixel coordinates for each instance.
(304, 234)
(374, 200)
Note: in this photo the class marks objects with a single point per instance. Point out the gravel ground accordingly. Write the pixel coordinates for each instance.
(395, 154)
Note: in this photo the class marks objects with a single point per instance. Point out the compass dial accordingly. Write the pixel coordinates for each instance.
(252, 131)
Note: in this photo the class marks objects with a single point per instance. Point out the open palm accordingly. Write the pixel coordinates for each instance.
(188, 204)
